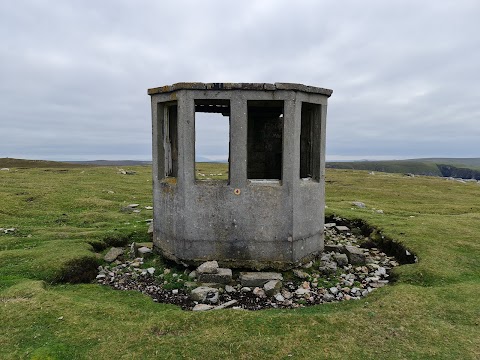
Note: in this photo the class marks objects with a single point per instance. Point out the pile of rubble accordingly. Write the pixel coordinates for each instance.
(345, 271)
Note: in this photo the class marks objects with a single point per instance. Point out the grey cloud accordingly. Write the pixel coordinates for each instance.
(74, 74)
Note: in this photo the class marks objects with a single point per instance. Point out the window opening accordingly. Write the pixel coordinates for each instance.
(310, 141)
(265, 139)
(171, 141)
(212, 139)
(167, 140)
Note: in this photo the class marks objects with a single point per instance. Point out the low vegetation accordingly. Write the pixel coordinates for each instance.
(64, 215)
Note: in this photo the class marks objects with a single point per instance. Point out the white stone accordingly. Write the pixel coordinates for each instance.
(302, 292)
(334, 290)
(286, 294)
(203, 294)
(229, 289)
(144, 251)
(259, 292)
(202, 307)
(272, 287)
(226, 305)
(359, 204)
(151, 270)
(208, 267)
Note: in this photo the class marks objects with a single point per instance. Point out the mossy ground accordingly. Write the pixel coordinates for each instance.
(432, 311)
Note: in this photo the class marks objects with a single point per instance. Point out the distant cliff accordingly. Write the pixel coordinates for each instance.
(465, 168)
(457, 172)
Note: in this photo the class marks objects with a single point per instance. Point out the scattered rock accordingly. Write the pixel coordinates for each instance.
(230, 289)
(325, 282)
(113, 254)
(272, 287)
(126, 172)
(258, 278)
(342, 228)
(302, 292)
(148, 207)
(204, 294)
(203, 307)
(4, 169)
(359, 204)
(328, 268)
(300, 274)
(286, 294)
(355, 255)
(212, 298)
(208, 267)
(259, 292)
(226, 305)
(334, 290)
(144, 252)
(334, 248)
(222, 276)
(341, 259)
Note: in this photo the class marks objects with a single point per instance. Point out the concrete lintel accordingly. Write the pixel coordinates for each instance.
(239, 86)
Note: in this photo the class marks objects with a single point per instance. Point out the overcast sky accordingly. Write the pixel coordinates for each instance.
(74, 74)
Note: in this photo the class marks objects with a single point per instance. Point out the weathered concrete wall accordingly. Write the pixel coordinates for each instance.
(240, 222)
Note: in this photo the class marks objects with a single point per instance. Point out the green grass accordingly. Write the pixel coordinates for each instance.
(432, 311)
(211, 171)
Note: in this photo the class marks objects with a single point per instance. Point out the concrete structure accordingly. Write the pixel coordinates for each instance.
(270, 211)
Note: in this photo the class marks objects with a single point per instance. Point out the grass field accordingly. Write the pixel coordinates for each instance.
(63, 213)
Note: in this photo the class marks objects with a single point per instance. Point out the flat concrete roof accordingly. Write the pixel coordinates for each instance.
(239, 86)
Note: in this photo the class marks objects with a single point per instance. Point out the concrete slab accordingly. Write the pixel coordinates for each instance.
(222, 276)
(355, 255)
(252, 279)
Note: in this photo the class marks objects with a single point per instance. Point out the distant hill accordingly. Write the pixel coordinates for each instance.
(466, 168)
(466, 162)
(24, 163)
(112, 162)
